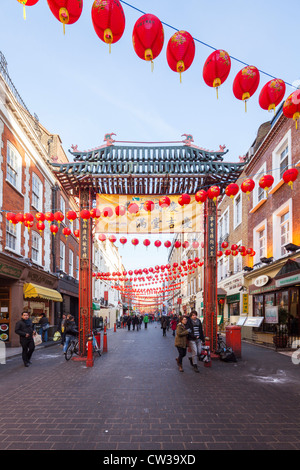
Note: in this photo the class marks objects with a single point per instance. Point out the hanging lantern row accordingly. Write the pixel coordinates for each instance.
(108, 20)
(234, 250)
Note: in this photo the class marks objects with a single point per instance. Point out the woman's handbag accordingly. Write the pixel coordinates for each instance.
(45, 327)
(37, 339)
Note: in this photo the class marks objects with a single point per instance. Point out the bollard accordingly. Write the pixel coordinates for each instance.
(207, 362)
(115, 327)
(105, 340)
(90, 358)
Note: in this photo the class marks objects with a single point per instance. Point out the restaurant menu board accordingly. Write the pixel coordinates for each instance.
(3, 332)
(241, 321)
(254, 321)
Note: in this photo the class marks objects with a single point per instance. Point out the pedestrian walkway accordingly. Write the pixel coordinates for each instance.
(134, 398)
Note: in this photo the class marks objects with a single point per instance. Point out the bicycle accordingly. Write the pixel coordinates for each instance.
(73, 348)
(96, 348)
(221, 345)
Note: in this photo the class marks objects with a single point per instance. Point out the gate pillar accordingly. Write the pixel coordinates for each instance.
(210, 273)
(85, 273)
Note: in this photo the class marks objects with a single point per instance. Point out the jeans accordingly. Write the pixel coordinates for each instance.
(27, 349)
(67, 341)
(182, 353)
(196, 348)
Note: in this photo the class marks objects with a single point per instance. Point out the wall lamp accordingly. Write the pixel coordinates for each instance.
(266, 260)
(291, 247)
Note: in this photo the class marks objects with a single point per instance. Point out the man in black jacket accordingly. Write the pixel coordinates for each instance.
(195, 338)
(25, 329)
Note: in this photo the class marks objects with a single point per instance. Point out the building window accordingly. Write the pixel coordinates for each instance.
(14, 167)
(260, 240)
(36, 248)
(237, 211)
(282, 229)
(11, 236)
(37, 190)
(62, 205)
(77, 267)
(258, 192)
(284, 232)
(284, 160)
(71, 263)
(281, 158)
(62, 256)
(237, 262)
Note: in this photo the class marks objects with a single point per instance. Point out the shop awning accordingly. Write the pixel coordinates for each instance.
(33, 290)
(96, 306)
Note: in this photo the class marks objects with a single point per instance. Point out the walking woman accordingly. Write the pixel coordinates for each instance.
(181, 341)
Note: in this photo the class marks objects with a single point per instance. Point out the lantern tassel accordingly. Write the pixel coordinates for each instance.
(24, 12)
(109, 48)
(180, 77)
(217, 92)
(245, 106)
(152, 65)
(64, 28)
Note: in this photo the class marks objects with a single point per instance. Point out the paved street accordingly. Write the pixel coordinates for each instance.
(134, 398)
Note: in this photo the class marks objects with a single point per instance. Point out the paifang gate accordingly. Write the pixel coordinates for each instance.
(150, 169)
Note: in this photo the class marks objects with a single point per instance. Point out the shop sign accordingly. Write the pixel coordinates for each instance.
(261, 281)
(245, 303)
(271, 314)
(254, 321)
(288, 280)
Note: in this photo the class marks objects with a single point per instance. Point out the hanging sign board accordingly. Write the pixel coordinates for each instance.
(254, 321)
(172, 219)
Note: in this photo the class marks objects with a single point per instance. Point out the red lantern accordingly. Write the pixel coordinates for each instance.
(66, 11)
(148, 37)
(219, 253)
(177, 244)
(76, 233)
(291, 107)
(123, 240)
(112, 238)
(247, 186)
(135, 241)
(107, 212)
(108, 20)
(245, 83)
(271, 94)
(184, 199)
(146, 242)
(40, 216)
(66, 231)
(149, 206)
(180, 52)
(28, 217)
(185, 244)
(40, 226)
(216, 69)
(234, 247)
(53, 229)
(11, 217)
(95, 213)
(266, 182)
(85, 214)
(120, 210)
(164, 202)
(201, 196)
(133, 208)
(195, 245)
(289, 176)
(102, 237)
(157, 243)
(213, 193)
(28, 3)
(167, 244)
(224, 244)
(28, 224)
(227, 252)
(59, 217)
(19, 217)
(71, 215)
(231, 190)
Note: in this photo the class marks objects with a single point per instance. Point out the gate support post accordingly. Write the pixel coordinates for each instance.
(85, 273)
(210, 273)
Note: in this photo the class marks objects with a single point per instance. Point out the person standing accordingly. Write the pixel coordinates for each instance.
(164, 324)
(44, 322)
(181, 341)
(146, 321)
(174, 325)
(71, 331)
(195, 338)
(25, 329)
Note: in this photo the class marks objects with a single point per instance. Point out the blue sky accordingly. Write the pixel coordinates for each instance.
(80, 91)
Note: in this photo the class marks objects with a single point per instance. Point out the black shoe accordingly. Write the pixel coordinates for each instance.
(26, 364)
(29, 362)
(196, 368)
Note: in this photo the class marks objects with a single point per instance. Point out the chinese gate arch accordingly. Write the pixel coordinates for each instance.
(167, 169)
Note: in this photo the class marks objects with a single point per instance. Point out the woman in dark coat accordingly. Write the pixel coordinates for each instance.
(181, 341)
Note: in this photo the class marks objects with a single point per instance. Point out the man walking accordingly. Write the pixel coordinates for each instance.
(25, 329)
(195, 338)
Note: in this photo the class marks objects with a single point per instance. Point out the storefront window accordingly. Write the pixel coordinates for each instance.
(258, 306)
(234, 308)
(4, 314)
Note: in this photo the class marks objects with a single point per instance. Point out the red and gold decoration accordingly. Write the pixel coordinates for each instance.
(213, 193)
(290, 176)
(28, 3)
(231, 190)
(266, 182)
(66, 11)
(108, 20)
(216, 69)
(272, 94)
(246, 83)
(291, 107)
(148, 37)
(247, 186)
(180, 52)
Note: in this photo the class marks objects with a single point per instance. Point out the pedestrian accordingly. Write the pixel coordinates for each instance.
(164, 324)
(195, 339)
(62, 328)
(136, 323)
(174, 325)
(129, 322)
(181, 341)
(146, 320)
(44, 324)
(71, 331)
(25, 329)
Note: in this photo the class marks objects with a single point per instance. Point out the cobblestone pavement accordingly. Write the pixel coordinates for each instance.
(134, 398)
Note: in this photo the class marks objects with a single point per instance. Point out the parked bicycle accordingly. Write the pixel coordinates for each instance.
(221, 345)
(73, 348)
(96, 348)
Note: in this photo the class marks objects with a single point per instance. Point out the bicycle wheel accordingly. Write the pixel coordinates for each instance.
(69, 351)
(76, 348)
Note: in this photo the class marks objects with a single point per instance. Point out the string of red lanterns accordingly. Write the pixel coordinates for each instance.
(108, 21)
